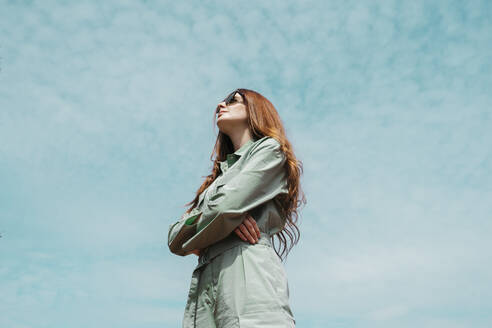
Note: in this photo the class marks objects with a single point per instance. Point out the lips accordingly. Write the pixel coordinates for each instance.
(221, 112)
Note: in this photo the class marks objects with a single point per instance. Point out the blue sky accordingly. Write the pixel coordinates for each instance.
(106, 132)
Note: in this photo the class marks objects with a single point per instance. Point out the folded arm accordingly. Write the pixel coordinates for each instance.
(260, 179)
(181, 231)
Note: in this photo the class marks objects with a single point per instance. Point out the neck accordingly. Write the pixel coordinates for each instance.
(239, 138)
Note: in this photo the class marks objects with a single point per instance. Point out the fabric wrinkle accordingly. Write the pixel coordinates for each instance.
(236, 283)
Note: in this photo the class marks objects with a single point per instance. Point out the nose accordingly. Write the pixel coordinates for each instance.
(219, 106)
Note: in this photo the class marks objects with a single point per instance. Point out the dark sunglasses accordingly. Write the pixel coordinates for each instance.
(230, 99)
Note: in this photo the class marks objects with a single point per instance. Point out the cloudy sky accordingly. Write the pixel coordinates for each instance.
(106, 132)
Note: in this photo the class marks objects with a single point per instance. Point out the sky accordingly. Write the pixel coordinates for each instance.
(106, 132)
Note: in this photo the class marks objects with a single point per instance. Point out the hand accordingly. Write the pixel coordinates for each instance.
(248, 230)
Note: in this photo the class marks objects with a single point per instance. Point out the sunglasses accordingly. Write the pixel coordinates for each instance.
(230, 99)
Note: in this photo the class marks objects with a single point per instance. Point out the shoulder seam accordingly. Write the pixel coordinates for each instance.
(266, 142)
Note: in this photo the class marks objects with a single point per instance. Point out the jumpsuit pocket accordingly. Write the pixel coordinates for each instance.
(217, 192)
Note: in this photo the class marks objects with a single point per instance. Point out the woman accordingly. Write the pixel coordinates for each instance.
(251, 196)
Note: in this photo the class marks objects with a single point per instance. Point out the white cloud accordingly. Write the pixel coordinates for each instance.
(385, 104)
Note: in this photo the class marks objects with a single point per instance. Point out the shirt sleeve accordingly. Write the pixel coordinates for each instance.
(181, 231)
(262, 178)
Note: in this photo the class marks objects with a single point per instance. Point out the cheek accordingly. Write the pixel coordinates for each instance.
(237, 114)
(242, 113)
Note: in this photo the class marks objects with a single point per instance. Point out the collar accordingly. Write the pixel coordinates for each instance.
(243, 148)
(233, 157)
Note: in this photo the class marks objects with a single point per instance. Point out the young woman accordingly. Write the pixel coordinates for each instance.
(251, 196)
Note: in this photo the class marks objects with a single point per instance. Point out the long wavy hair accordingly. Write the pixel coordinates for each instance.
(263, 120)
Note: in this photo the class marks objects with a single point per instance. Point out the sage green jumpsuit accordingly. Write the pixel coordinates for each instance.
(235, 283)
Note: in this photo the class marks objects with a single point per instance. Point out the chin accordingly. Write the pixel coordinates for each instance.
(222, 128)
